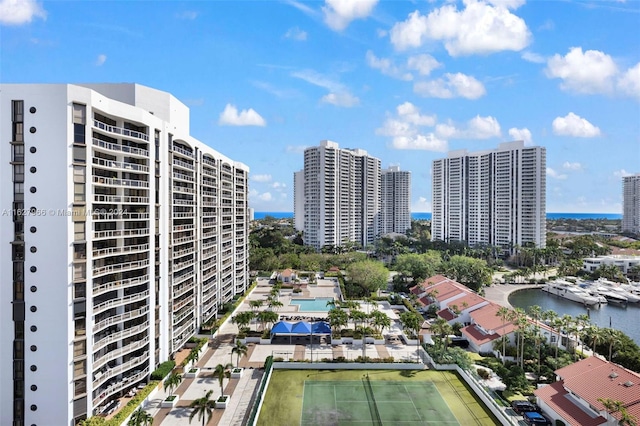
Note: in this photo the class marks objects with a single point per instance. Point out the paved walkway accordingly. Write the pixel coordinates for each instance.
(499, 293)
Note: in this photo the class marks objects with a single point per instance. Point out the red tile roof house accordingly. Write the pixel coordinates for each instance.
(573, 399)
(287, 276)
(486, 327)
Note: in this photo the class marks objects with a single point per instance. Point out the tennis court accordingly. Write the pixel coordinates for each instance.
(373, 402)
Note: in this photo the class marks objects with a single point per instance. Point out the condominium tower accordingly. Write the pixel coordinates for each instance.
(395, 209)
(631, 204)
(122, 234)
(494, 197)
(341, 190)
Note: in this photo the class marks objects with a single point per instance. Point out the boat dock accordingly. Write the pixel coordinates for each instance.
(499, 293)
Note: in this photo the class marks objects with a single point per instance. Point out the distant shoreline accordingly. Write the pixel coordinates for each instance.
(427, 216)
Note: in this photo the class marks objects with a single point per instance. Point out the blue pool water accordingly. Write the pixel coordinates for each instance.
(319, 304)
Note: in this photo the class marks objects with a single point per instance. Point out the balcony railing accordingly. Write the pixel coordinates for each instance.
(121, 385)
(120, 301)
(121, 249)
(120, 267)
(120, 165)
(114, 285)
(120, 233)
(99, 198)
(120, 130)
(120, 182)
(182, 151)
(121, 148)
(117, 353)
(119, 335)
(120, 318)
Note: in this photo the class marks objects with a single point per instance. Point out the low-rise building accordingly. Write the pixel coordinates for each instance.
(623, 262)
(577, 397)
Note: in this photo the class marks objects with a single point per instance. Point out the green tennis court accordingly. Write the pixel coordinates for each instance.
(373, 402)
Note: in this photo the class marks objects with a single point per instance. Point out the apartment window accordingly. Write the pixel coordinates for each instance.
(78, 213)
(79, 387)
(79, 290)
(79, 348)
(79, 368)
(78, 231)
(78, 192)
(18, 153)
(18, 173)
(79, 122)
(17, 111)
(79, 154)
(80, 327)
(79, 251)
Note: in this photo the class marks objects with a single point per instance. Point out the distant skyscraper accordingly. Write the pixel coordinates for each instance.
(395, 212)
(494, 197)
(341, 190)
(298, 200)
(122, 234)
(631, 204)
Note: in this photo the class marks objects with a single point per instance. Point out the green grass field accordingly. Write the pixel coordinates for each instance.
(342, 397)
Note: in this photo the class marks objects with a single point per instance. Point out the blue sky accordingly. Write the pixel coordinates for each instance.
(406, 81)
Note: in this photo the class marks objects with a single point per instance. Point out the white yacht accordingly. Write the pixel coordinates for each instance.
(570, 291)
(618, 289)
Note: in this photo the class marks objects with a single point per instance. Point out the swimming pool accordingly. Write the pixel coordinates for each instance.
(319, 304)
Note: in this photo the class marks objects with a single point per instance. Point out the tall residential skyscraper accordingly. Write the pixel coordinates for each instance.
(495, 197)
(395, 211)
(631, 204)
(121, 235)
(298, 200)
(341, 190)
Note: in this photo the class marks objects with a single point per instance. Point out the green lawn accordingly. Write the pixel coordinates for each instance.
(415, 396)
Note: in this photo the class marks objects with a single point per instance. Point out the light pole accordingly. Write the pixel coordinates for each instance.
(311, 334)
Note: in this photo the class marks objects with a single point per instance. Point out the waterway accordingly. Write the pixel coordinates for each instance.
(609, 315)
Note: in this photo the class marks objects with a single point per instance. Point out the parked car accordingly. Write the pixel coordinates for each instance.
(522, 406)
(535, 418)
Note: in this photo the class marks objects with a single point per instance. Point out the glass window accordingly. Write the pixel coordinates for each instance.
(78, 229)
(78, 192)
(79, 154)
(79, 174)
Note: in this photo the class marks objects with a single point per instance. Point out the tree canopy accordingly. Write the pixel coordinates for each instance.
(370, 274)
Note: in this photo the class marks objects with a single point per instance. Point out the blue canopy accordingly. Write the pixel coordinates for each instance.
(301, 328)
(282, 327)
(321, 328)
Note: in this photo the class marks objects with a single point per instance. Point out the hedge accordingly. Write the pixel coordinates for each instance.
(126, 410)
(162, 370)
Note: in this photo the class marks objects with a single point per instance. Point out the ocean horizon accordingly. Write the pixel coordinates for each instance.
(427, 215)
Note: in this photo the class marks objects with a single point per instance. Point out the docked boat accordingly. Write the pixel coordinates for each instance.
(612, 296)
(619, 289)
(570, 291)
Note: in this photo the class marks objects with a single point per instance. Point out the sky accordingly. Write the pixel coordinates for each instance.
(407, 81)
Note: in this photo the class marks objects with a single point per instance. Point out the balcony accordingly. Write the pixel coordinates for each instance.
(115, 233)
(182, 278)
(183, 189)
(103, 288)
(185, 152)
(117, 353)
(116, 199)
(120, 148)
(180, 240)
(120, 165)
(120, 267)
(120, 182)
(119, 335)
(182, 176)
(182, 289)
(121, 385)
(120, 249)
(120, 130)
(120, 301)
(183, 164)
(120, 318)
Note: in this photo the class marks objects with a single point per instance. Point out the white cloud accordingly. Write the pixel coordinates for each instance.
(338, 94)
(451, 86)
(629, 82)
(265, 196)
(278, 186)
(572, 166)
(387, 67)
(18, 12)
(261, 178)
(422, 205)
(583, 72)
(479, 28)
(423, 63)
(340, 99)
(405, 130)
(338, 14)
(621, 173)
(574, 125)
(187, 14)
(280, 93)
(296, 33)
(246, 117)
(521, 135)
(477, 128)
(533, 57)
(555, 175)
(101, 59)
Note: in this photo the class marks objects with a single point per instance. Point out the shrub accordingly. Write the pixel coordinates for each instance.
(297, 290)
(126, 410)
(278, 359)
(162, 370)
(483, 373)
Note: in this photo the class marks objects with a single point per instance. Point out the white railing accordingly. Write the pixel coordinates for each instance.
(182, 176)
(181, 290)
(181, 163)
(120, 301)
(119, 335)
(103, 288)
(120, 130)
(120, 233)
(120, 182)
(118, 267)
(117, 353)
(99, 198)
(121, 148)
(120, 165)
(120, 249)
(185, 189)
(119, 318)
(119, 386)
(182, 151)
(183, 239)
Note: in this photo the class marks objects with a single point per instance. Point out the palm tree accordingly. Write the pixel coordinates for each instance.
(240, 349)
(140, 418)
(442, 329)
(357, 317)
(338, 319)
(504, 314)
(172, 382)
(255, 304)
(203, 407)
(412, 321)
(610, 336)
(222, 371)
(243, 319)
(380, 321)
(266, 317)
(582, 322)
(616, 406)
(536, 312)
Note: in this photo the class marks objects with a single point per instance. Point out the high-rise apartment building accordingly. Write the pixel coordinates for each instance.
(395, 209)
(121, 235)
(341, 190)
(631, 204)
(495, 197)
